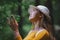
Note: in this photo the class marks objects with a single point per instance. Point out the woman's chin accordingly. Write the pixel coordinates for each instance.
(31, 20)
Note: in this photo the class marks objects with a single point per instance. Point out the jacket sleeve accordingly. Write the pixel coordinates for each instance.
(18, 37)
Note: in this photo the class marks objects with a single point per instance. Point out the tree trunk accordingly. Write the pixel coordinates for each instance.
(49, 5)
(21, 17)
(37, 2)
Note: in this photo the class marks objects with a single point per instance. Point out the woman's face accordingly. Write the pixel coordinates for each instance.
(34, 14)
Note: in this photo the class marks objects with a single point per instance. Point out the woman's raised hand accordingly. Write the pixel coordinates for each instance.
(13, 23)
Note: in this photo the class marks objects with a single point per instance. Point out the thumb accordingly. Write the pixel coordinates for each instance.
(8, 20)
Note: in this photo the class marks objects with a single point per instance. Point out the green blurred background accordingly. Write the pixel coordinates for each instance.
(19, 8)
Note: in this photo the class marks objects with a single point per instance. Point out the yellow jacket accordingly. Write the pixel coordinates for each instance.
(36, 35)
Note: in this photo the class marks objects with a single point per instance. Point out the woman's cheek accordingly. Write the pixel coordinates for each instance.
(32, 16)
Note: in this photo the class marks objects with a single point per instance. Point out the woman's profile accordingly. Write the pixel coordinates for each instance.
(40, 19)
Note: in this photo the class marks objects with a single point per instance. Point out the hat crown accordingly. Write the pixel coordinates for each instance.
(43, 9)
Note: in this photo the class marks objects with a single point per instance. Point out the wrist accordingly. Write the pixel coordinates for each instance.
(16, 33)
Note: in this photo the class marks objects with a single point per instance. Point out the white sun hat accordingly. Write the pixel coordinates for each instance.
(44, 10)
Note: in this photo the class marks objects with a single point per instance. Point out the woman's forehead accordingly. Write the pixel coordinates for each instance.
(31, 9)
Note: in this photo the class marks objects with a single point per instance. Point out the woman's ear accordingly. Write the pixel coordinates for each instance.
(41, 16)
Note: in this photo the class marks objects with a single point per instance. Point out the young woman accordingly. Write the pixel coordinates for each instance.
(39, 16)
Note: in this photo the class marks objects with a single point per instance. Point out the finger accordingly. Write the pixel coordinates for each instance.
(8, 20)
(13, 20)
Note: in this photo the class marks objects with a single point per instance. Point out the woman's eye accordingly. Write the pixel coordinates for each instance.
(34, 10)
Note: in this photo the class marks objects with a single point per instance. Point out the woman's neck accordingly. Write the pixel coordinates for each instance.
(37, 25)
